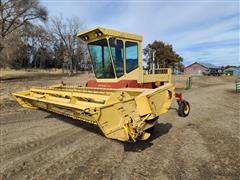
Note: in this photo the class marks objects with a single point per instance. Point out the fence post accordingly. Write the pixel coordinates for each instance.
(188, 83)
(237, 81)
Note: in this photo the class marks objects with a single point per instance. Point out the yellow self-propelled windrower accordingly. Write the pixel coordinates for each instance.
(123, 101)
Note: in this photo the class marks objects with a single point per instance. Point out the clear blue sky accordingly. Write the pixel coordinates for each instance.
(203, 31)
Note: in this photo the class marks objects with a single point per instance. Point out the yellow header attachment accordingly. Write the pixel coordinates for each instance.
(99, 32)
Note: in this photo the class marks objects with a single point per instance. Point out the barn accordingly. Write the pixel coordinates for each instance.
(200, 68)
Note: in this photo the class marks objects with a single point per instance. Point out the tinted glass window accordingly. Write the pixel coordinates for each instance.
(131, 56)
(117, 54)
(101, 61)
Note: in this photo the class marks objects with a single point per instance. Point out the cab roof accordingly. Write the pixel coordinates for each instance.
(98, 32)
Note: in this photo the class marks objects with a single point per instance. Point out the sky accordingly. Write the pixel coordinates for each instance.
(200, 31)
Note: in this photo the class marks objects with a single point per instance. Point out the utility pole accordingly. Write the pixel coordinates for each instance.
(153, 61)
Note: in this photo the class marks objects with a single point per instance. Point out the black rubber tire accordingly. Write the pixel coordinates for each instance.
(150, 130)
(184, 109)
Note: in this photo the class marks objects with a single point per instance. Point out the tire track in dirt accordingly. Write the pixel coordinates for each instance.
(24, 148)
(31, 131)
(45, 169)
(127, 164)
(73, 163)
(100, 164)
(18, 121)
(27, 163)
(21, 117)
(19, 136)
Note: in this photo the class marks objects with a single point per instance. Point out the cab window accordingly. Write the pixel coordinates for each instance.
(116, 47)
(131, 56)
(101, 60)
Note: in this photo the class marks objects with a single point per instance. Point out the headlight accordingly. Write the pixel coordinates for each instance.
(98, 34)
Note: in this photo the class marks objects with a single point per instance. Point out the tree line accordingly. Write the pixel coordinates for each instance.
(29, 38)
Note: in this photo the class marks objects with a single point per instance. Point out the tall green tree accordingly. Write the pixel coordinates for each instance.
(165, 56)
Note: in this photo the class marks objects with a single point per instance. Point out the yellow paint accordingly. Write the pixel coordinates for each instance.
(108, 33)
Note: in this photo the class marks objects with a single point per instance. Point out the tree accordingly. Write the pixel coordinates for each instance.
(59, 51)
(165, 56)
(36, 37)
(16, 13)
(14, 16)
(67, 34)
(14, 53)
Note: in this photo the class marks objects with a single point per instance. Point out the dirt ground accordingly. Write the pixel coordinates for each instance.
(42, 145)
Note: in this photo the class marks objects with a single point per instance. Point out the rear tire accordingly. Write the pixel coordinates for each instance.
(184, 109)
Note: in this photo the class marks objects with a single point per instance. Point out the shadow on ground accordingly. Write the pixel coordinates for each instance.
(78, 123)
(159, 130)
(232, 91)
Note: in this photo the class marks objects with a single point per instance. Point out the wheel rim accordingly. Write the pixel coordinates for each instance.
(186, 108)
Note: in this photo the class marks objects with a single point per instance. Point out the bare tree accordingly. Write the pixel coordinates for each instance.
(67, 33)
(13, 52)
(38, 37)
(15, 13)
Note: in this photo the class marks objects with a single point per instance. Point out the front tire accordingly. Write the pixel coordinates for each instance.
(184, 109)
